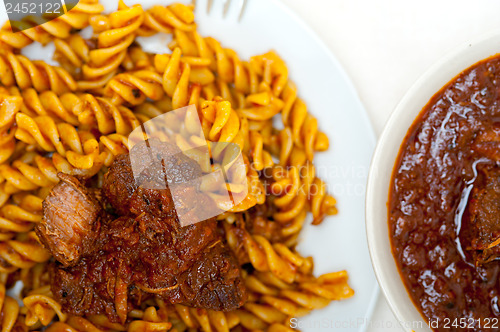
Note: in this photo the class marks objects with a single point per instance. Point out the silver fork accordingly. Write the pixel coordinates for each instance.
(227, 3)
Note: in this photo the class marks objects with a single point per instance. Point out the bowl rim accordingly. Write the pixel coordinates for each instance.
(383, 162)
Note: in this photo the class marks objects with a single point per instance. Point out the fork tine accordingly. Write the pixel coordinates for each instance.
(242, 9)
(227, 3)
(209, 5)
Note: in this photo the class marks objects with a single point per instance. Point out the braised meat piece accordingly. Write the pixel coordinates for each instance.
(71, 220)
(192, 267)
(143, 251)
(488, 143)
(481, 229)
(138, 186)
(484, 214)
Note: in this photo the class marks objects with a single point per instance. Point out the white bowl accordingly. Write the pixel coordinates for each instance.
(382, 166)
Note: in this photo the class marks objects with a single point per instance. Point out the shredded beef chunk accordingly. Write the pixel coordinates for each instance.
(487, 143)
(145, 195)
(484, 210)
(143, 252)
(483, 225)
(71, 220)
(197, 271)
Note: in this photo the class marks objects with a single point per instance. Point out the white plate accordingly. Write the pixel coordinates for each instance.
(340, 242)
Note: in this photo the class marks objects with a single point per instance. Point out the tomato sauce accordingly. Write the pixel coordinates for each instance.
(442, 209)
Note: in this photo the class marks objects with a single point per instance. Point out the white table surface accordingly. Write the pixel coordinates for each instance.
(385, 45)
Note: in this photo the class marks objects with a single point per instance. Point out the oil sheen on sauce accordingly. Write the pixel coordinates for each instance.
(434, 175)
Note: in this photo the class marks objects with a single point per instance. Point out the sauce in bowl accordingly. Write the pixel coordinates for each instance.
(444, 215)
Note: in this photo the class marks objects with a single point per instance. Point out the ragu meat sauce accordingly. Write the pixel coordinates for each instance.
(111, 262)
(444, 203)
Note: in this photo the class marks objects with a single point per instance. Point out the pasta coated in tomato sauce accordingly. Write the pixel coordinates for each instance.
(72, 121)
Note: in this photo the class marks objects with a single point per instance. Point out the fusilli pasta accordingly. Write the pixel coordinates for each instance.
(78, 117)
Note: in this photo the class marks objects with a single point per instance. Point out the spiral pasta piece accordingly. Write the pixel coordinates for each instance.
(254, 316)
(296, 186)
(19, 70)
(104, 323)
(33, 171)
(150, 319)
(9, 107)
(137, 59)
(25, 174)
(150, 110)
(9, 309)
(41, 308)
(46, 134)
(34, 277)
(301, 135)
(224, 62)
(256, 191)
(22, 253)
(79, 148)
(103, 115)
(64, 327)
(167, 18)
(184, 318)
(292, 193)
(72, 53)
(112, 45)
(221, 123)
(278, 301)
(86, 165)
(133, 88)
(19, 215)
(48, 103)
(113, 145)
(322, 204)
(175, 79)
(275, 258)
